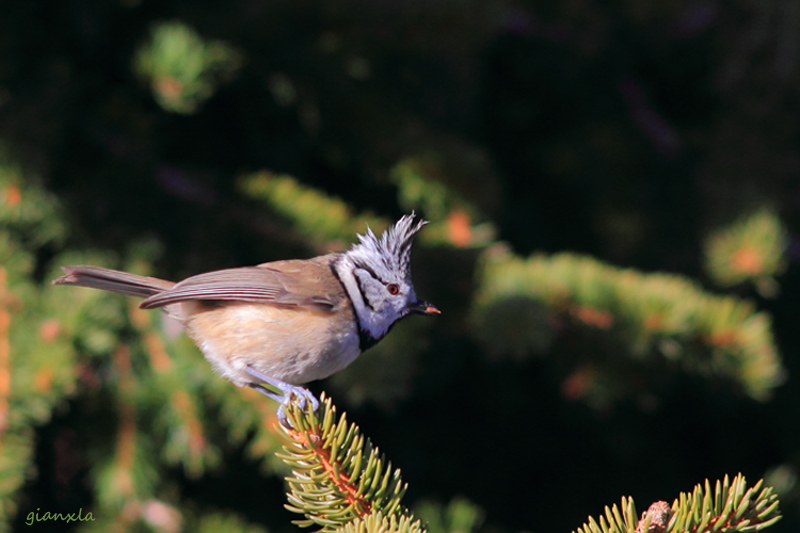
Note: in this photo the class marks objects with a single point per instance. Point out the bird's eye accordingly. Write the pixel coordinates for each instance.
(393, 289)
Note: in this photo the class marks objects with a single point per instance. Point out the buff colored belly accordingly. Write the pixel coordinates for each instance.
(289, 344)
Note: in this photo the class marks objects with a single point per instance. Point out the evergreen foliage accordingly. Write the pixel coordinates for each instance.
(730, 507)
(457, 221)
(32, 385)
(216, 522)
(181, 68)
(107, 350)
(376, 522)
(316, 216)
(339, 482)
(458, 516)
(642, 315)
(337, 475)
(750, 250)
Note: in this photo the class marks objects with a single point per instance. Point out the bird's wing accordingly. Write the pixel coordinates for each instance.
(295, 283)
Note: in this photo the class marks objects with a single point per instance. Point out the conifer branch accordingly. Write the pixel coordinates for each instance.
(5, 354)
(319, 218)
(125, 451)
(753, 249)
(337, 475)
(520, 300)
(730, 507)
(182, 68)
(182, 415)
(379, 523)
(156, 351)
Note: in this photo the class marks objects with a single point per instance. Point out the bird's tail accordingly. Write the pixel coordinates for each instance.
(112, 280)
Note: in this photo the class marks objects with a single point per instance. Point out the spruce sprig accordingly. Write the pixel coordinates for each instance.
(337, 475)
(378, 523)
(730, 507)
(615, 520)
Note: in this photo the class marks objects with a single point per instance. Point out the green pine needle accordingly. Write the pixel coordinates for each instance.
(379, 523)
(732, 507)
(338, 476)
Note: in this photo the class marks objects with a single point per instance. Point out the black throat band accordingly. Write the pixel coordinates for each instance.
(365, 340)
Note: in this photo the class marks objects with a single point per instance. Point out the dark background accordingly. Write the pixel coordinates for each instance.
(621, 130)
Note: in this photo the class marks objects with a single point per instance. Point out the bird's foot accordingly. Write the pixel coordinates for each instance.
(287, 390)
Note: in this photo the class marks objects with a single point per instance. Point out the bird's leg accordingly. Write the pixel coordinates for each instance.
(286, 389)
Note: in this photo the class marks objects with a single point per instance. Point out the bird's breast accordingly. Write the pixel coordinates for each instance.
(295, 345)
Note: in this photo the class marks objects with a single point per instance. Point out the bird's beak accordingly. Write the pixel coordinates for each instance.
(424, 308)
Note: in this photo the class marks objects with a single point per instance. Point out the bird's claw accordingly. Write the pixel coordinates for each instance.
(304, 396)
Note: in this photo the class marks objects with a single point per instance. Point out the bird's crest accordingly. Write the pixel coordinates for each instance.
(393, 249)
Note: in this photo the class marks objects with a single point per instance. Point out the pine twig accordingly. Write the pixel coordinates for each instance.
(378, 523)
(730, 507)
(338, 476)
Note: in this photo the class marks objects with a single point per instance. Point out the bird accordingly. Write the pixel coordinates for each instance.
(281, 324)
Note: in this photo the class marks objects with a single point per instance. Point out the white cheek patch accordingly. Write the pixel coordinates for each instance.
(370, 319)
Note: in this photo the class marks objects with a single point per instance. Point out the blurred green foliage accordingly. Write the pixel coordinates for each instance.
(459, 516)
(753, 249)
(181, 68)
(327, 222)
(520, 304)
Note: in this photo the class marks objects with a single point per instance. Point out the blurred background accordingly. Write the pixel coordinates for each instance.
(613, 189)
